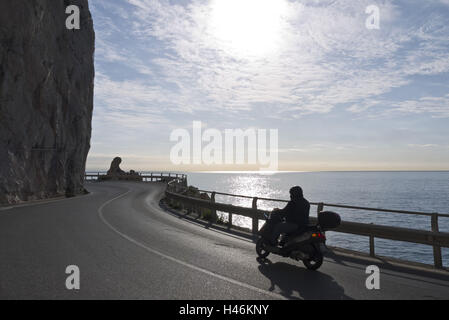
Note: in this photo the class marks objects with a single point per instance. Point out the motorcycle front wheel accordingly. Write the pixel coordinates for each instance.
(261, 250)
(314, 262)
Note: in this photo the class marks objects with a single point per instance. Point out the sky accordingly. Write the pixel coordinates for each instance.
(343, 96)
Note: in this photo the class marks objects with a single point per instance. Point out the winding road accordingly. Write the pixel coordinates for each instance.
(127, 247)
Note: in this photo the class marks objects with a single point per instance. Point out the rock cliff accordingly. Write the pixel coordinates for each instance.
(46, 99)
(115, 173)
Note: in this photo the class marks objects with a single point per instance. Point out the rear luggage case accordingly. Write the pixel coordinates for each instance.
(329, 220)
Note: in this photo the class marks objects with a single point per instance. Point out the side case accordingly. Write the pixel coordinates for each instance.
(329, 220)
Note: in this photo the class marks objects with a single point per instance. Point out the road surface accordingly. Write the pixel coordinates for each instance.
(127, 247)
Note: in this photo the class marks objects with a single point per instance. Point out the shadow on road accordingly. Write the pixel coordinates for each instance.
(310, 285)
(405, 271)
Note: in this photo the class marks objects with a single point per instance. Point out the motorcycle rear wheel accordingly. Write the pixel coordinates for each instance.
(262, 252)
(315, 262)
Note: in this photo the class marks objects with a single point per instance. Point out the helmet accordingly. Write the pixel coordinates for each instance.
(296, 192)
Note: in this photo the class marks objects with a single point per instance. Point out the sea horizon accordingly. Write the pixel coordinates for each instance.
(266, 172)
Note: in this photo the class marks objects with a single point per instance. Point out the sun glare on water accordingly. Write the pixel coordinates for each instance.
(248, 27)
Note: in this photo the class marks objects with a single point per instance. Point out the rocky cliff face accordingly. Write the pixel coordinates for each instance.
(46, 98)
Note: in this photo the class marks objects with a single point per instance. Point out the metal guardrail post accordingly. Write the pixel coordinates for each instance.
(214, 212)
(255, 228)
(437, 257)
(372, 251)
(320, 207)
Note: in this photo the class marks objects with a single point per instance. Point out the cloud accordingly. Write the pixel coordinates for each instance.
(429, 145)
(436, 106)
(327, 56)
(319, 147)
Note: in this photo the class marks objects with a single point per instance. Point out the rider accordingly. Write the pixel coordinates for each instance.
(296, 214)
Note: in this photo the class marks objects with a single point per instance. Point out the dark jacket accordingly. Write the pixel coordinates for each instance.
(297, 211)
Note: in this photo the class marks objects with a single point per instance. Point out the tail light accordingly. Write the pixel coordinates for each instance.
(319, 235)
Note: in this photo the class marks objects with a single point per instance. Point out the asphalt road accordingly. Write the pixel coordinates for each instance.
(127, 247)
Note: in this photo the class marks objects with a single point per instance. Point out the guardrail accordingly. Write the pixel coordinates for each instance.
(151, 177)
(434, 238)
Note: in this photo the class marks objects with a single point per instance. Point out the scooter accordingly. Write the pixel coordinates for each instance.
(301, 245)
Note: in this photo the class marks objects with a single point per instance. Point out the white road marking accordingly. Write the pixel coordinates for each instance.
(183, 263)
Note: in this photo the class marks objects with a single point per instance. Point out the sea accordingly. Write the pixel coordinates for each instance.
(409, 191)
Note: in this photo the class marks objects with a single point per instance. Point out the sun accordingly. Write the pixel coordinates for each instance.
(248, 27)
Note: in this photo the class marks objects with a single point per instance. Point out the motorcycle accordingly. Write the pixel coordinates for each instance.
(304, 244)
